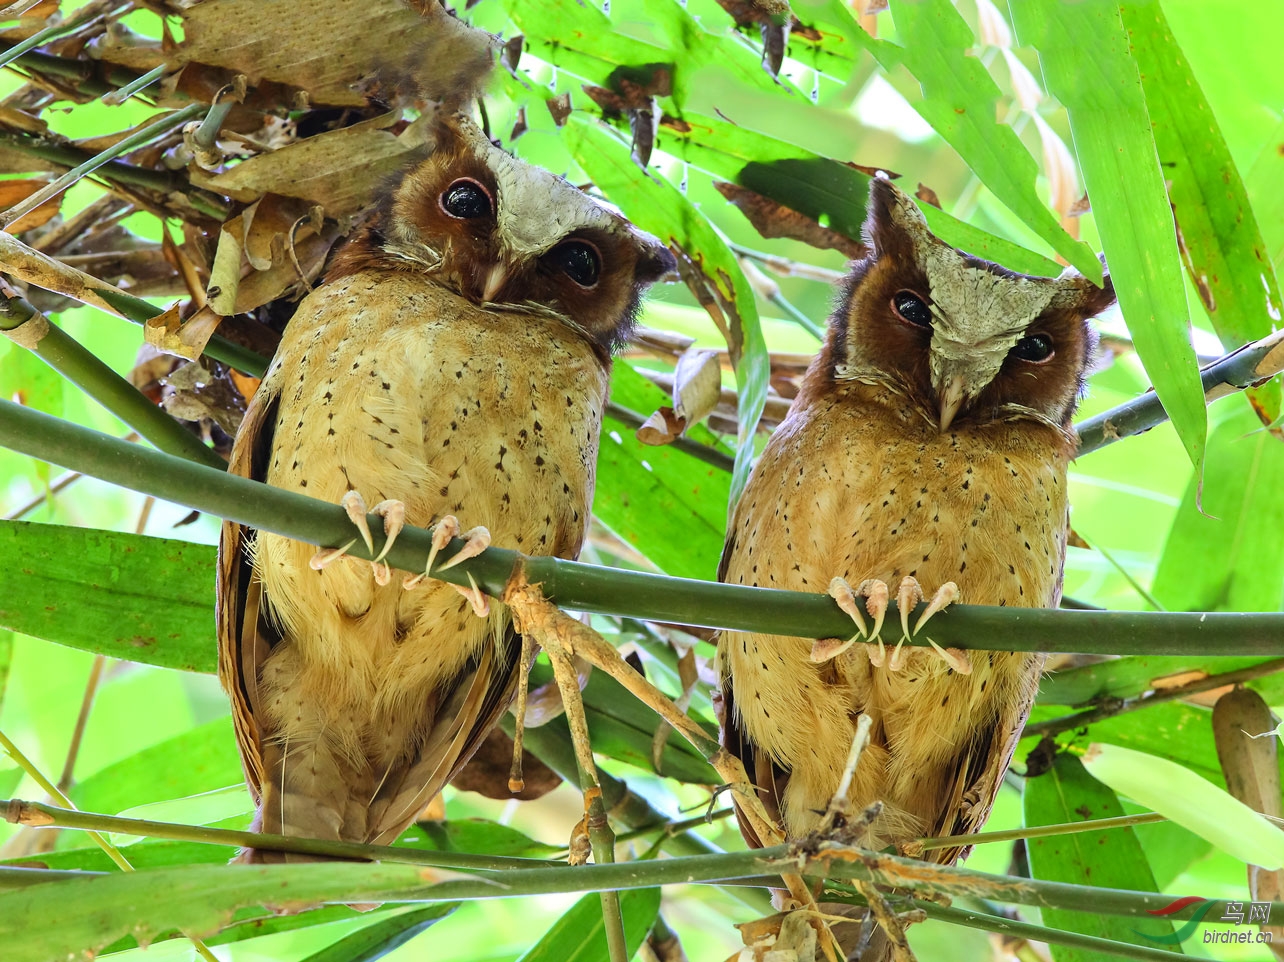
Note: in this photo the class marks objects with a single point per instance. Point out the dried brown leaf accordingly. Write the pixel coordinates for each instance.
(13, 191)
(772, 219)
(339, 169)
(697, 384)
(662, 427)
(487, 772)
(166, 332)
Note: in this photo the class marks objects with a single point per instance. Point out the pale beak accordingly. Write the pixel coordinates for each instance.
(495, 279)
(951, 401)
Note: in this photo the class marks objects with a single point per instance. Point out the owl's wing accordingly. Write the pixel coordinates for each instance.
(979, 773)
(245, 635)
(474, 702)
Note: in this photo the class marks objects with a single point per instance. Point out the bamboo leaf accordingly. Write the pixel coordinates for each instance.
(578, 936)
(1190, 801)
(1129, 676)
(200, 760)
(377, 940)
(657, 206)
(1112, 859)
(960, 101)
(1226, 257)
(665, 503)
(1229, 556)
(1086, 65)
(127, 596)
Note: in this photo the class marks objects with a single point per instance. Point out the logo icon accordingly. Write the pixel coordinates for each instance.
(1258, 912)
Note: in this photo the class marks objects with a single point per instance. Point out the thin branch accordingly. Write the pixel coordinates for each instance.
(120, 95)
(703, 452)
(61, 29)
(58, 483)
(1116, 706)
(115, 171)
(29, 328)
(761, 866)
(1234, 372)
(918, 846)
(633, 594)
(34, 813)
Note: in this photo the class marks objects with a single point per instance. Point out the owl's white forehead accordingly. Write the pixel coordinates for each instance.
(536, 209)
(972, 304)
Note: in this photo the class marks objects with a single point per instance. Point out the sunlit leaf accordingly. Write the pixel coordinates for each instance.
(1121, 169)
(579, 935)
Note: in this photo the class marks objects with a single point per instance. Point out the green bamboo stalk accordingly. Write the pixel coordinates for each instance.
(135, 140)
(1034, 831)
(120, 95)
(28, 327)
(615, 591)
(22, 812)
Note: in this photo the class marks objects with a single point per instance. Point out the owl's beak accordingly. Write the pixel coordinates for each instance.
(495, 279)
(951, 400)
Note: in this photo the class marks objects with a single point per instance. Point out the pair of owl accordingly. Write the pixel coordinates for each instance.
(455, 364)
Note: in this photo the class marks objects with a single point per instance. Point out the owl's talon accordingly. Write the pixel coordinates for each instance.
(908, 595)
(394, 520)
(845, 598)
(876, 597)
(897, 661)
(945, 596)
(476, 597)
(478, 540)
(877, 653)
(443, 532)
(325, 556)
(956, 658)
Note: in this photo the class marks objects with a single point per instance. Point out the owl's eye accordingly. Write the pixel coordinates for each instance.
(1036, 348)
(578, 260)
(911, 308)
(466, 200)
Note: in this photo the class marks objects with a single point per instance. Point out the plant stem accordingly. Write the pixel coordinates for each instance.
(628, 593)
(1052, 726)
(28, 327)
(42, 37)
(33, 267)
(35, 813)
(1034, 831)
(120, 95)
(124, 146)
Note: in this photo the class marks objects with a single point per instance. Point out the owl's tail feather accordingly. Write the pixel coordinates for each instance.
(307, 793)
(859, 938)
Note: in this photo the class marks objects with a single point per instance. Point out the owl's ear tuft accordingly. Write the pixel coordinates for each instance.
(1087, 298)
(654, 261)
(889, 212)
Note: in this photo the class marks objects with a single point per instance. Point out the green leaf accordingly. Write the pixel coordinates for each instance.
(1110, 859)
(960, 101)
(479, 836)
(1226, 257)
(151, 853)
(1190, 801)
(1230, 555)
(1087, 66)
(6, 659)
(377, 940)
(657, 206)
(200, 760)
(667, 504)
(128, 596)
(579, 936)
(623, 728)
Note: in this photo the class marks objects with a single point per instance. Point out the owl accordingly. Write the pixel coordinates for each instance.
(928, 445)
(453, 368)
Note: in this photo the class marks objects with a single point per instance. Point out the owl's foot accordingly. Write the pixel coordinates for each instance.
(910, 594)
(875, 594)
(477, 541)
(394, 519)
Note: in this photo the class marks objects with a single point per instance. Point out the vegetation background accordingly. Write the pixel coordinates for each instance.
(950, 97)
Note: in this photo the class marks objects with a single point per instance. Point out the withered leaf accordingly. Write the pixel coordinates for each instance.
(487, 772)
(772, 219)
(14, 191)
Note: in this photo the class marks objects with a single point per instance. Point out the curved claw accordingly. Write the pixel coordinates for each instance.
(876, 596)
(476, 597)
(843, 595)
(478, 541)
(956, 658)
(945, 596)
(442, 533)
(908, 595)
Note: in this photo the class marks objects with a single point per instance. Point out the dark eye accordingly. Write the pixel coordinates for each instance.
(911, 308)
(579, 260)
(1036, 348)
(466, 199)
